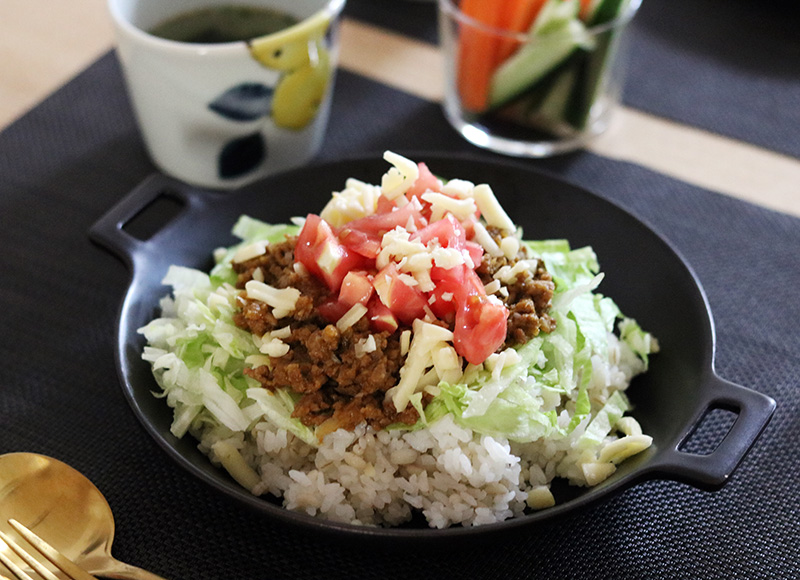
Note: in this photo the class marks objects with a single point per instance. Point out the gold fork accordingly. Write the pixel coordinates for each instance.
(64, 564)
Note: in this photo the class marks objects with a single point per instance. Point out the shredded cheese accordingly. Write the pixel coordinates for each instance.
(442, 204)
(274, 348)
(490, 208)
(492, 287)
(446, 363)
(459, 188)
(448, 258)
(249, 252)
(357, 200)
(507, 274)
(619, 450)
(497, 361)
(365, 346)
(427, 338)
(408, 280)
(510, 247)
(405, 341)
(396, 245)
(486, 241)
(256, 360)
(356, 312)
(281, 300)
(284, 332)
(540, 497)
(629, 426)
(399, 179)
(596, 472)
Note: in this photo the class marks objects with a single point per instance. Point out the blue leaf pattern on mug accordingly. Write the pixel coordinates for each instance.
(244, 102)
(242, 155)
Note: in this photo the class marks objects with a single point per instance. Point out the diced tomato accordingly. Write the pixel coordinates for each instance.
(445, 298)
(404, 301)
(451, 279)
(343, 260)
(332, 309)
(361, 243)
(471, 283)
(469, 226)
(480, 324)
(447, 230)
(462, 280)
(475, 252)
(425, 181)
(323, 255)
(380, 317)
(385, 205)
(380, 223)
(480, 328)
(356, 289)
(450, 234)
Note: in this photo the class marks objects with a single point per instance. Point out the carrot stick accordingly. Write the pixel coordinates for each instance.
(477, 53)
(583, 13)
(517, 17)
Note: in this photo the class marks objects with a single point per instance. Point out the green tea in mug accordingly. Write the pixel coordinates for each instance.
(217, 24)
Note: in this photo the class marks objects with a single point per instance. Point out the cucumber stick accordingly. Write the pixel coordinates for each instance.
(596, 63)
(539, 105)
(606, 11)
(554, 35)
(553, 107)
(554, 15)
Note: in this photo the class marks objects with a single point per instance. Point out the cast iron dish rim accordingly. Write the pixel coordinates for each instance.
(231, 489)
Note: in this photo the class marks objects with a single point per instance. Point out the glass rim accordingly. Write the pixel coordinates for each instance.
(450, 8)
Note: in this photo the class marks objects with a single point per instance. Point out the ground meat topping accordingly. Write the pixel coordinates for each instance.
(337, 382)
(529, 295)
(340, 385)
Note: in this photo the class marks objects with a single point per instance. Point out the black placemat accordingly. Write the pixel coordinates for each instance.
(64, 164)
(731, 67)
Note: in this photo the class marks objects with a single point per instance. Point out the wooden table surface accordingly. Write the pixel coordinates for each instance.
(44, 43)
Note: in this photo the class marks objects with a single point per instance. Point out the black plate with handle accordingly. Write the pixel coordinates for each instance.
(644, 275)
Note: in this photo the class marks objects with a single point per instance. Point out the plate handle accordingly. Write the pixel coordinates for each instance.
(109, 231)
(712, 471)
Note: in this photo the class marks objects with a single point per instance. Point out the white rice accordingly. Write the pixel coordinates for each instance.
(447, 472)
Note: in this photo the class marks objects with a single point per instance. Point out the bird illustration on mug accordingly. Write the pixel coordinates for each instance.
(302, 57)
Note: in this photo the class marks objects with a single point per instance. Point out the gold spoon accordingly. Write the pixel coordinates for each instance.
(65, 509)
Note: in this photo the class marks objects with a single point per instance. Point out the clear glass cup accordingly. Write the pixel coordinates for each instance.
(541, 92)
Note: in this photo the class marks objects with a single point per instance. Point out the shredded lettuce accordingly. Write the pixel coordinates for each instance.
(547, 393)
(199, 356)
(278, 407)
(640, 342)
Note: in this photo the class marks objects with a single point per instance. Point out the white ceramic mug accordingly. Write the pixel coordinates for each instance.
(223, 115)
